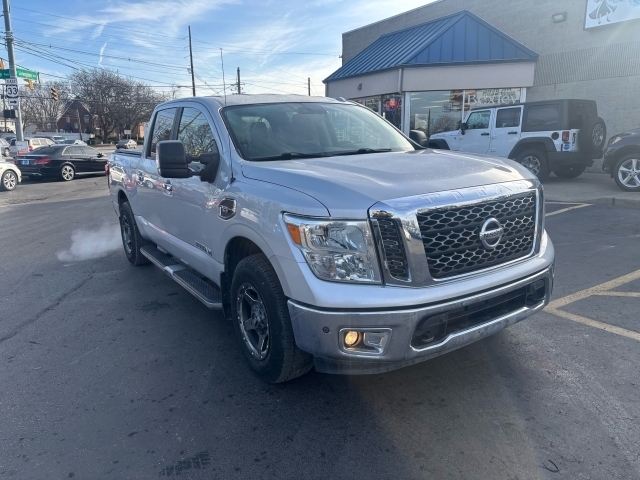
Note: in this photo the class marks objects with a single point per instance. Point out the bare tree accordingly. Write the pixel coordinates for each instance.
(38, 106)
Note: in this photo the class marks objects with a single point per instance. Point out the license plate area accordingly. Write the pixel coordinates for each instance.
(25, 162)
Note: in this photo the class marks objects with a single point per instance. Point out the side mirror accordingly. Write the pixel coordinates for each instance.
(212, 163)
(419, 137)
(464, 127)
(171, 159)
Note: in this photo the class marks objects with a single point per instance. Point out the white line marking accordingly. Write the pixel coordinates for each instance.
(620, 294)
(594, 323)
(582, 205)
(610, 285)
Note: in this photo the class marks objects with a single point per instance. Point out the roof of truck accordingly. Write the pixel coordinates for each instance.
(247, 99)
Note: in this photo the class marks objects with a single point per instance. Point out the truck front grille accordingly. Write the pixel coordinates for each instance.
(451, 236)
(395, 258)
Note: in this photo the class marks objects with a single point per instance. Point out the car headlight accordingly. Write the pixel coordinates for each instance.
(339, 251)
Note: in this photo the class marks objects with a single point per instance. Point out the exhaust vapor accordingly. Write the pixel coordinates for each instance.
(90, 244)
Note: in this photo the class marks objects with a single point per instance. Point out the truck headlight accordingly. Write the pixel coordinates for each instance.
(339, 251)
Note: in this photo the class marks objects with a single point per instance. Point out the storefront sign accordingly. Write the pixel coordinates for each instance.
(492, 96)
(605, 12)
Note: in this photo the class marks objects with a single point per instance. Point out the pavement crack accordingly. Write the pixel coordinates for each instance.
(46, 309)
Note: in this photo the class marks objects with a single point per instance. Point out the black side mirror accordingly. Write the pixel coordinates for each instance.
(171, 159)
(212, 163)
(464, 127)
(419, 137)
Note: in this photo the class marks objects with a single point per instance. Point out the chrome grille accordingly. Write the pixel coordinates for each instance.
(395, 258)
(451, 236)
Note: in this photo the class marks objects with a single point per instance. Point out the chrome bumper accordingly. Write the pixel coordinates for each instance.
(317, 331)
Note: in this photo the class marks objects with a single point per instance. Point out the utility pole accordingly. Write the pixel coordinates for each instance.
(239, 88)
(309, 85)
(193, 78)
(12, 64)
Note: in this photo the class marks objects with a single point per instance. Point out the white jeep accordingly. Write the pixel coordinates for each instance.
(559, 136)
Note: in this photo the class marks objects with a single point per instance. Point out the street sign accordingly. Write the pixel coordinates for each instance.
(5, 73)
(22, 147)
(127, 132)
(13, 92)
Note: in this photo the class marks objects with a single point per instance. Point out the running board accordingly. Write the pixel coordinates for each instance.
(186, 278)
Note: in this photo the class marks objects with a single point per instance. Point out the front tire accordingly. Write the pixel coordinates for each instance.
(536, 162)
(262, 323)
(9, 181)
(627, 173)
(132, 241)
(67, 173)
(570, 172)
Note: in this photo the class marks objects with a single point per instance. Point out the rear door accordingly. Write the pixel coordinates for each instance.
(78, 158)
(506, 132)
(477, 137)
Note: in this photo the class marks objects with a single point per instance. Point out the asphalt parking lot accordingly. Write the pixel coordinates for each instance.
(113, 371)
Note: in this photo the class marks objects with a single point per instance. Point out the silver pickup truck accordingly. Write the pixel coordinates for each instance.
(326, 236)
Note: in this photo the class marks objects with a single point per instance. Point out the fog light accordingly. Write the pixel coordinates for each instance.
(351, 339)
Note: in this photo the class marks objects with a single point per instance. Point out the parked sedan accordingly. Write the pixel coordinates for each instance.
(62, 161)
(10, 176)
(127, 143)
(622, 160)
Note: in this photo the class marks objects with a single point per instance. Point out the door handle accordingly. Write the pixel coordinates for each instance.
(167, 186)
(484, 134)
(513, 133)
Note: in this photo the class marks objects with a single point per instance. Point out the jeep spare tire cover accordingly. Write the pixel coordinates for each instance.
(593, 135)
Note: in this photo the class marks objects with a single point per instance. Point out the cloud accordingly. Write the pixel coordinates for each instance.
(101, 53)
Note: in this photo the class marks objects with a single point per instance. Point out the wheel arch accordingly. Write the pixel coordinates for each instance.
(439, 144)
(543, 143)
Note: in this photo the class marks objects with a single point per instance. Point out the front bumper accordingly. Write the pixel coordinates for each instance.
(317, 331)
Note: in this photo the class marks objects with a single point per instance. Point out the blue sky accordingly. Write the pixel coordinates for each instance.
(277, 43)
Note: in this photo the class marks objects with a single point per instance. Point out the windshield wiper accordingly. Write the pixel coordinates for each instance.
(362, 151)
(290, 156)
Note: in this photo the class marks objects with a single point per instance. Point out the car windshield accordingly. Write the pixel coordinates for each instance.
(298, 130)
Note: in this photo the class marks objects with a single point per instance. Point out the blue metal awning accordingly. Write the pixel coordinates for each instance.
(462, 38)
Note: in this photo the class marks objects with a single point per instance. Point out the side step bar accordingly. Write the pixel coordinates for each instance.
(189, 280)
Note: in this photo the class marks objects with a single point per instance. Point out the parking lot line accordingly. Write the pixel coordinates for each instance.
(604, 289)
(576, 206)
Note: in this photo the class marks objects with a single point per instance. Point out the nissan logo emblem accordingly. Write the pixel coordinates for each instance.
(491, 233)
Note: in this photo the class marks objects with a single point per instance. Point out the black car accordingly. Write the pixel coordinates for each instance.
(622, 160)
(61, 161)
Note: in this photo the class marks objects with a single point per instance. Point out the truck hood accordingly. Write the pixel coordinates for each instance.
(349, 185)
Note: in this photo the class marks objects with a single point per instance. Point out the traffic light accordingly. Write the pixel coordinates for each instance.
(54, 93)
(30, 84)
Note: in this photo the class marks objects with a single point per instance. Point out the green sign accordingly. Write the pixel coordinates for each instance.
(21, 73)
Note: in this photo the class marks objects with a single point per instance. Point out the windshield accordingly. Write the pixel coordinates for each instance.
(294, 130)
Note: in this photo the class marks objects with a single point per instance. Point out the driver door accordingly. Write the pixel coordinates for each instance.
(477, 137)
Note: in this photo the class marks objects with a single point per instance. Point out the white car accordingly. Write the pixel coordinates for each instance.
(72, 142)
(10, 176)
(33, 144)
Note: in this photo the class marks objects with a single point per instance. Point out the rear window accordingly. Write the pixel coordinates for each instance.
(47, 150)
(541, 115)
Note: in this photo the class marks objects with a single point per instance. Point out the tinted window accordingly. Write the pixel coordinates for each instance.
(90, 151)
(74, 151)
(479, 120)
(508, 117)
(195, 132)
(539, 115)
(48, 150)
(162, 126)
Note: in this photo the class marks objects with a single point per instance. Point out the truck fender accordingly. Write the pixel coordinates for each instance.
(439, 144)
(532, 142)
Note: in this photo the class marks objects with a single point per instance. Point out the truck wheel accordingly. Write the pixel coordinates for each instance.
(592, 136)
(627, 173)
(261, 321)
(536, 162)
(9, 180)
(570, 172)
(131, 239)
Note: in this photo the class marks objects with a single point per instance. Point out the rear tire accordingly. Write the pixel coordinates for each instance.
(570, 172)
(626, 173)
(261, 320)
(67, 173)
(9, 181)
(132, 241)
(536, 162)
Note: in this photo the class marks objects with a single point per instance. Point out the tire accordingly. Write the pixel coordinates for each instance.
(626, 173)
(592, 136)
(132, 241)
(9, 181)
(262, 323)
(67, 173)
(570, 172)
(536, 162)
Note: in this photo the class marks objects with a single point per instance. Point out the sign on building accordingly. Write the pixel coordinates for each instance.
(606, 12)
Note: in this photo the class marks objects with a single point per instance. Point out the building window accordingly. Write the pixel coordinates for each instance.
(372, 103)
(436, 112)
(392, 109)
